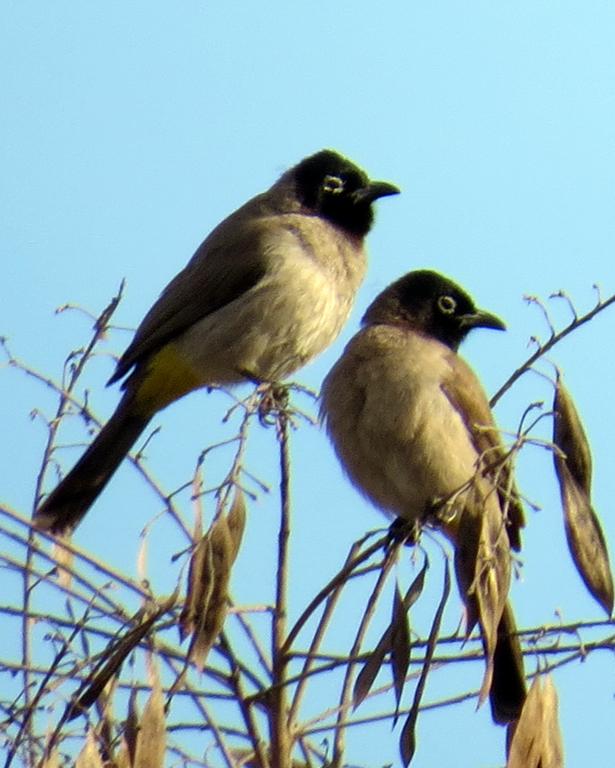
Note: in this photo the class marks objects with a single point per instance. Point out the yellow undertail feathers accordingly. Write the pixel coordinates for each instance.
(167, 378)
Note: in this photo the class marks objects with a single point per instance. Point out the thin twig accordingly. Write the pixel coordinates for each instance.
(346, 694)
(318, 636)
(100, 327)
(84, 557)
(338, 579)
(245, 707)
(554, 339)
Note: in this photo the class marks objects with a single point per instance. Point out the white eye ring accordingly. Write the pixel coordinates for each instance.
(333, 184)
(447, 305)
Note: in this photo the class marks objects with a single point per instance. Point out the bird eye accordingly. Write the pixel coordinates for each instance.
(333, 184)
(447, 305)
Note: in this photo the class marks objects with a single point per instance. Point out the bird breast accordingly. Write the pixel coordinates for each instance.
(395, 431)
(295, 310)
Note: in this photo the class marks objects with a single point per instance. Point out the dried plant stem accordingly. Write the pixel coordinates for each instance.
(346, 695)
(134, 457)
(554, 339)
(175, 665)
(100, 327)
(247, 701)
(317, 638)
(245, 707)
(346, 572)
(30, 706)
(279, 721)
(249, 632)
(84, 558)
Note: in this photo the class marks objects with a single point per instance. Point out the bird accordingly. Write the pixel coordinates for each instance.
(268, 289)
(413, 430)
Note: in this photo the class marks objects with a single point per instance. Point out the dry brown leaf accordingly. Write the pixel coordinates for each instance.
(407, 740)
(152, 736)
(526, 745)
(585, 540)
(131, 729)
(537, 741)
(482, 560)
(142, 558)
(400, 648)
(492, 584)
(104, 710)
(195, 569)
(554, 746)
(215, 576)
(569, 436)
(204, 609)
(197, 592)
(237, 522)
(95, 684)
(89, 757)
(372, 666)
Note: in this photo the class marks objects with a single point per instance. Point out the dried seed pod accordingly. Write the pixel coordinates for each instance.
(537, 741)
(152, 738)
(569, 436)
(209, 574)
(197, 594)
(90, 756)
(211, 592)
(573, 467)
(482, 562)
(585, 540)
(96, 682)
(237, 522)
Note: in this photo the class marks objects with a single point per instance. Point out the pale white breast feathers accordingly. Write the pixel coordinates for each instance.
(296, 310)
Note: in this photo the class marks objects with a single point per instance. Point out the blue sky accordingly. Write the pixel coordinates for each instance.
(129, 130)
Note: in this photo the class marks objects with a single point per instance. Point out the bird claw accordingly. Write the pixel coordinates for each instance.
(406, 532)
(273, 400)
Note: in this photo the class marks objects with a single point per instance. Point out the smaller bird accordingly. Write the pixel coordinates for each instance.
(413, 429)
(268, 289)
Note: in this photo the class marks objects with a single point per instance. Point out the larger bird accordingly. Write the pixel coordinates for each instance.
(413, 429)
(269, 289)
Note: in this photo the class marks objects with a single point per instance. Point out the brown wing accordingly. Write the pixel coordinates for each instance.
(226, 265)
(467, 396)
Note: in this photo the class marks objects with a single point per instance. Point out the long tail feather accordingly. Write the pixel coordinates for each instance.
(508, 690)
(65, 506)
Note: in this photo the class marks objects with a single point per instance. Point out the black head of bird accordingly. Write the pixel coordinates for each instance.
(333, 187)
(429, 302)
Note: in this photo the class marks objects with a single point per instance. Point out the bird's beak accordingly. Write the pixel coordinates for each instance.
(480, 319)
(374, 190)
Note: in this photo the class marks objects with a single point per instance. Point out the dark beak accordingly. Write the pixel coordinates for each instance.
(480, 319)
(374, 190)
